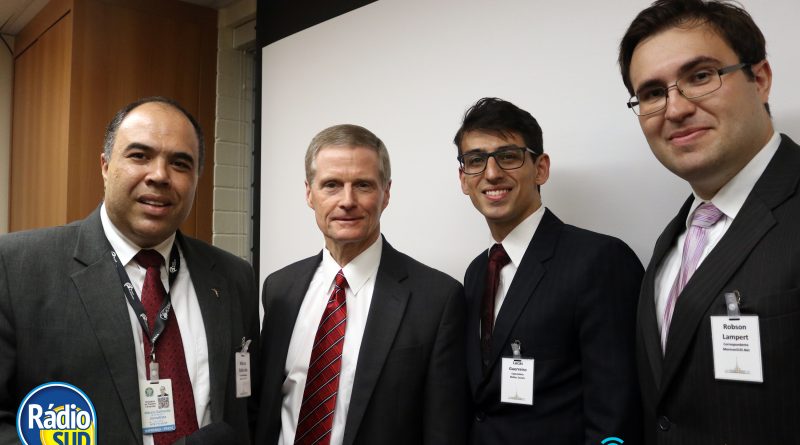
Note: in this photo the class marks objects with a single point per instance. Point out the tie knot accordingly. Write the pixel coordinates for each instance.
(148, 258)
(706, 215)
(340, 282)
(498, 255)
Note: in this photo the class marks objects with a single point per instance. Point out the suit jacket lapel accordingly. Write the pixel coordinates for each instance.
(214, 298)
(389, 300)
(100, 290)
(523, 286)
(282, 315)
(647, 317)
(777, 183)
(474, 283)
(276, 334)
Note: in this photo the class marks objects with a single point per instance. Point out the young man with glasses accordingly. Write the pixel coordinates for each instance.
(550, 322)
(700, 82)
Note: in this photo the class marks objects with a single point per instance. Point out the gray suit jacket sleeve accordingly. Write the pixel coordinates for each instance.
(8, 356)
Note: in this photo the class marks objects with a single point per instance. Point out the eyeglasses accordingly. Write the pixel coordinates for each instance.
(507, 158)
(697, 83)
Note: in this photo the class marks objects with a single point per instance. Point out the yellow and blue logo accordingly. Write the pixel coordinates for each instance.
(57, 413)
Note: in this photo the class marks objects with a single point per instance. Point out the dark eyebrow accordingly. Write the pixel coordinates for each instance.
(138, 146)
(483, 150)
(685, 68)
(692, 64)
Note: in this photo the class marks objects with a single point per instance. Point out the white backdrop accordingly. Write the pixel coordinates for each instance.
(408, 69)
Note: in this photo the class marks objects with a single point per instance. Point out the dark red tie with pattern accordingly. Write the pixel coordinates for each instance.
(498, 258)
(322, 381)
(169, 350)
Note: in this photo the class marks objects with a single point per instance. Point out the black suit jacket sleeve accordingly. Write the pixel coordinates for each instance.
(606, 322)
(445, 395)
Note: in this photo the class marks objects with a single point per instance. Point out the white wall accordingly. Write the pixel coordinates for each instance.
(6, 93)
(408, 69)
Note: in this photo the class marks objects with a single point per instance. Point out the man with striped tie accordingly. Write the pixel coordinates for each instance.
(362, 344)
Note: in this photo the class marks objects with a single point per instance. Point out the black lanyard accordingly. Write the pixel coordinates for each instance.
(133, 299)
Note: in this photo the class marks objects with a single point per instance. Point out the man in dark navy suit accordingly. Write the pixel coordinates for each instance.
(554, 293)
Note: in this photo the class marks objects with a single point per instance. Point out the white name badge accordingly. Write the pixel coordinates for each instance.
(516, 383)
(158, 409)
(736, 344)
(242, 364)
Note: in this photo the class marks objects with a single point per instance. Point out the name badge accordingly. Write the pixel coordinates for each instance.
(736, 345)
(241, 363)
(516, 380)
(158, 409)
(242, 374)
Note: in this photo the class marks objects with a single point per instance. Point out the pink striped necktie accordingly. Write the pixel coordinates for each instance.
(696, 239)
(315, 421)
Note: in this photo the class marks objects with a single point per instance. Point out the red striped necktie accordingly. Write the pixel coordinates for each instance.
(315, 422)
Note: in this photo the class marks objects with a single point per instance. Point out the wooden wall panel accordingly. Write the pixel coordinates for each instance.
(123, 50)
(147, 48)
(40, 130)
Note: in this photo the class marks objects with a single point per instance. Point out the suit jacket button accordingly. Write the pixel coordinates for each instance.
(480, 416)
(664, 424)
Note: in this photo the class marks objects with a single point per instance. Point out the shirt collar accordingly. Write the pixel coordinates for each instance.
(358, 271)
(125, 248)
(517, 241)
(730, 198)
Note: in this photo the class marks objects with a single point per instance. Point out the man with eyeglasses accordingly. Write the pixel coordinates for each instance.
(718, 324)
(551, 307)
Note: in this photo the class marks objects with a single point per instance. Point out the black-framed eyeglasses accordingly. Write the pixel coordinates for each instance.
(507, 158)
(697, 83)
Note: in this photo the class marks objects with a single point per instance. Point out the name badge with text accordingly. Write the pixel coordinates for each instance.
(242, 365)
(736, 345)
(158, 409)
(516, 379)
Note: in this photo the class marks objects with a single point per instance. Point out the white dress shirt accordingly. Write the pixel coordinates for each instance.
(729, 200)
(185, 308)
(515, 244)
(360, 274)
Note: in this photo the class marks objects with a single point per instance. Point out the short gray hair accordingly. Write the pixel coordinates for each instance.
(353, 136)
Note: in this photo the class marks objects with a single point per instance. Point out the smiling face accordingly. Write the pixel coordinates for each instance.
(152, 175)
(348, 197)
(707, 140)
(504, 197)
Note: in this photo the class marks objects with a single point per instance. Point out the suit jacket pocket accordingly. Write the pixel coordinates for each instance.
(772, 305)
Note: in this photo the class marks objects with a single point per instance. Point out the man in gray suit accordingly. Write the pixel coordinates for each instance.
(361, 343)
(65, 314)
(719, 312)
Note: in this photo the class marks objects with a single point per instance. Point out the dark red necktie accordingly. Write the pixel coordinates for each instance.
(322, 381)
(169, 350)
(498, 258)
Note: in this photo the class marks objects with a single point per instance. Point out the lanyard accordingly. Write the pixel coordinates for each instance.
(133, 299)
